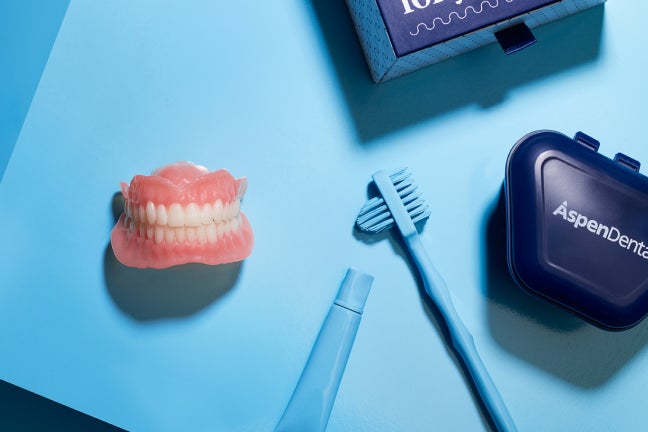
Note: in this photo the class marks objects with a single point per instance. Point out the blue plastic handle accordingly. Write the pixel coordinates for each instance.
(461, 339)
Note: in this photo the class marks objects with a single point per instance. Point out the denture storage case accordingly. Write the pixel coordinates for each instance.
(400, 36)
(577, 227)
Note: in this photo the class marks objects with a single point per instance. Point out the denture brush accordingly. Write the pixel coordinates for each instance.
(401, 204)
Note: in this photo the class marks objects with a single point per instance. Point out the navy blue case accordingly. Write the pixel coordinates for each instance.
(577, 227)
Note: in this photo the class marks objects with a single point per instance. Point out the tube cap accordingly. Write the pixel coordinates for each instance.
(354, 290)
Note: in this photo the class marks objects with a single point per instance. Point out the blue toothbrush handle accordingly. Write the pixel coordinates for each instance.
(461, 338)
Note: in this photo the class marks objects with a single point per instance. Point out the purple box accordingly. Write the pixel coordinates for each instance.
(400, 36)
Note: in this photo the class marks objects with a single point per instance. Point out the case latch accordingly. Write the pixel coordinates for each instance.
(516, 38)
(587, 141)
(627, 162)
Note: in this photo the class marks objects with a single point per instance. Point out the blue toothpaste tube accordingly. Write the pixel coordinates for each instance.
(311, 403)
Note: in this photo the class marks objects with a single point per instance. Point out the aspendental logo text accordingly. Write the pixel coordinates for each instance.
(610, 233)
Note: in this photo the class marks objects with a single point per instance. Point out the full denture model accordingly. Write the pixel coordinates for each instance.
(182, 213)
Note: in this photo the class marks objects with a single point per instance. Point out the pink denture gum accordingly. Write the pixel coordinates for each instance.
(179, 214)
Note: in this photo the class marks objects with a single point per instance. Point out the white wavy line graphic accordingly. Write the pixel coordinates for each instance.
(434, 21)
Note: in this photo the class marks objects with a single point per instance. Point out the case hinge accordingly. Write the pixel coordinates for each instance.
(587, 141)
(627, 162)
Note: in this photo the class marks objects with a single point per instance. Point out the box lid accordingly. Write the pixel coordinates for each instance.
(417, 24)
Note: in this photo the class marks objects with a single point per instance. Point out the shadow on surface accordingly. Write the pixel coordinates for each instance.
(28, 29)
(482, 77)
(22, 410)
(175, 292)
(545, 335)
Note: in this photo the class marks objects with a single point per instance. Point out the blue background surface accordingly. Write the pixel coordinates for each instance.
(27, 31)
(279, 92)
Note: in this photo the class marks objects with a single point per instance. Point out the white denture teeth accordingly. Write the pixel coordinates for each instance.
(175, 223)
(228, 212)
(211, 233)
(159, 234)
(150, 212)
(192, 215)
(141, 213)
(217, 215)
(180, 234)
(161, 214)
(169, 235)
(191, 234)
(201, 233)
(176, 215)
(206, 214)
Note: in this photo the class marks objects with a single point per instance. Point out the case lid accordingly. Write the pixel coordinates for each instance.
(577, 225)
